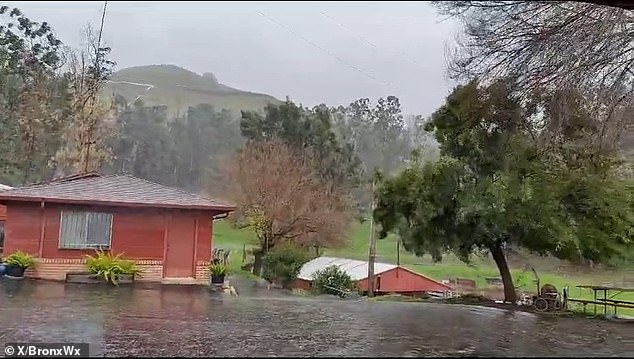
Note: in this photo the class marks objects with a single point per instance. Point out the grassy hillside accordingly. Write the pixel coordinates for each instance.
(178, 88)
(550, 270)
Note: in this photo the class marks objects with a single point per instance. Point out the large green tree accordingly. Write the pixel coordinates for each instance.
(381, 138)
(583, 45)
(379, 133)
(497, 186)
(309, 131)
(184, 151)
(31, 96)
(143, 145)
(203, 140)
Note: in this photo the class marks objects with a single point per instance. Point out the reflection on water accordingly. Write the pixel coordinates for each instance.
(191, 321)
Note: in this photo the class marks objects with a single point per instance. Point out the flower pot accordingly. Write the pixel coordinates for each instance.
(12, 271)
(217, 279)
(83, 277)
(125, 278)
(90, 278)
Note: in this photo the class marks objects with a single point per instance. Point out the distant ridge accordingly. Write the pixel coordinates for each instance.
(178, 88)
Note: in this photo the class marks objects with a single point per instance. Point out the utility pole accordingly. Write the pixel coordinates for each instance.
(398, 252)
(87, 158)
(372, 250)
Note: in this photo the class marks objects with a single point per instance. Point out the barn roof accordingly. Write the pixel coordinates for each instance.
(115, 190)
(356, 269)
(4, 187)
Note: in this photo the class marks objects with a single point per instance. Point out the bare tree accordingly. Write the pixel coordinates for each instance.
(539, 43)
(281, 197)
(92, 121)
(553, 47)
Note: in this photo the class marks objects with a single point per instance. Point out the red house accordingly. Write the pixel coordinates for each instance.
(167, 231)
(390, 278)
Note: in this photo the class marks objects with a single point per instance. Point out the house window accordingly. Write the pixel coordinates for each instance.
(85, 230)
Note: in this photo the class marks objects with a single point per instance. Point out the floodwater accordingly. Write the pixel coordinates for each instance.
(192, 321)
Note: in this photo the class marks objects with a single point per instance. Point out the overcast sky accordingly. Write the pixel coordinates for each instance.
(313, 52)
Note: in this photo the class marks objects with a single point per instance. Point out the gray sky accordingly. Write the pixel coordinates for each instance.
(313, 52)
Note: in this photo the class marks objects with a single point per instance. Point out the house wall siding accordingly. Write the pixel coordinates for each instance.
(152, 270)
(22, 228)
(205, 239)
(3, 212)
(302, 284)
(137, 233)
(399, 280)
(56, 269)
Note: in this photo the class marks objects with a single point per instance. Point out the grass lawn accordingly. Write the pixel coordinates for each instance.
(550, 270)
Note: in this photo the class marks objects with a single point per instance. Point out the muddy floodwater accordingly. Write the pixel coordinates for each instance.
(192, 321)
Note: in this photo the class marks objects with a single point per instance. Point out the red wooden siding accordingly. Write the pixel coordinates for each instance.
(22, 228)
(401, 280)
(3, 212)
(203, 250)
(397, 280)
(138, 233)
(302, 284)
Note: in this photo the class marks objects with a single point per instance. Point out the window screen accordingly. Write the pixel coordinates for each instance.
(81, 230)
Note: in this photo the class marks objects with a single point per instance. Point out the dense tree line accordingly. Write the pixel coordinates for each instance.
(55, 120)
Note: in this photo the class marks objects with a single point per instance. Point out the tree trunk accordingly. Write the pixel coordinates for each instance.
(258, 261)
(503, 267)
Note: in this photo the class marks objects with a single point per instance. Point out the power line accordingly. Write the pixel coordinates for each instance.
(347, 29)
(98, 68)
(368, 42)
(312, 43)
(103, 17)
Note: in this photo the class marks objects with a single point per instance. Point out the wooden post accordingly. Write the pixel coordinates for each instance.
(398, 255)
(87, 159)
(195, 264)
(372, 249)
(166, 221)
(40, 250)
(398, 252)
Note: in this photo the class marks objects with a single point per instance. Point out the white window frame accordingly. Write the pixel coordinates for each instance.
(86, 245)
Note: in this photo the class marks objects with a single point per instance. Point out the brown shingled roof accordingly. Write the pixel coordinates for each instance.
(117, 190)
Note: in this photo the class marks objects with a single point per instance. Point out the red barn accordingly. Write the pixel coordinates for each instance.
(167, 231)
(390, 278)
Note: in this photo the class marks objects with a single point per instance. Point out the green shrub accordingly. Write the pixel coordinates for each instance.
(21, 260)
(333, 280)
(284, 263)
(109, 267)
(217, 269)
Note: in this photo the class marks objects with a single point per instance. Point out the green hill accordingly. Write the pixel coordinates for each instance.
(178, 88)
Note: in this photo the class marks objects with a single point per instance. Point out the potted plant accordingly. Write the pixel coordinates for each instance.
(218, 272)
(17, 263)
(107, 268)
